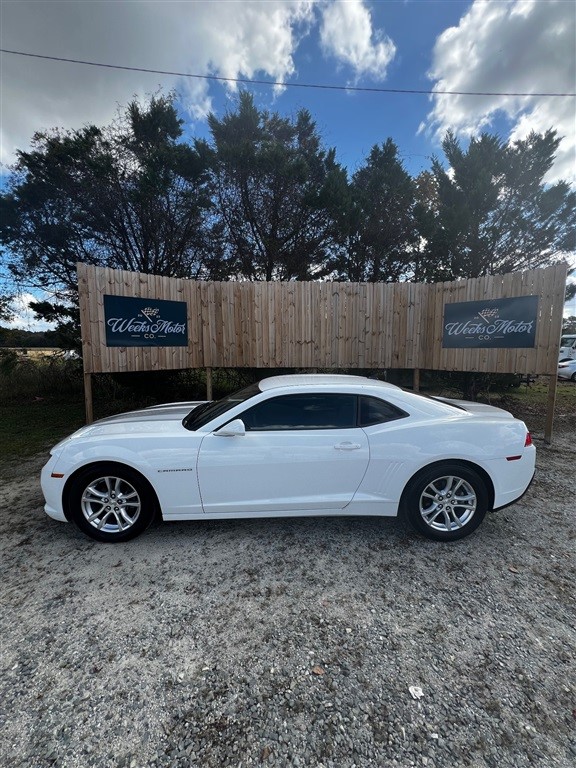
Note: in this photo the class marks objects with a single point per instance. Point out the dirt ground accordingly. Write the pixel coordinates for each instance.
(292, 642)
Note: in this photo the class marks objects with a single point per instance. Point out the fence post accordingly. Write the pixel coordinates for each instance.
(416, 380)
(208, 383)
(88, 398)
(552, 386)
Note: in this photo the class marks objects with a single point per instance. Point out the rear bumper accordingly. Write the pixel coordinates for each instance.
(517, 498)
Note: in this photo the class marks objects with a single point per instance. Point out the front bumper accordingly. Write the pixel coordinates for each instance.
(52, 488)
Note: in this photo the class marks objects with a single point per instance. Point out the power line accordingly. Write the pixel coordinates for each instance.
(247, 81)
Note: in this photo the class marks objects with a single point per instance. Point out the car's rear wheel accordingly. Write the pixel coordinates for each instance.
(110, 503)
(446, 502)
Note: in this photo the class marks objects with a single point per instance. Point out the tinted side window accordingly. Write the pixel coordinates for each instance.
(302, 412)
(375, 411)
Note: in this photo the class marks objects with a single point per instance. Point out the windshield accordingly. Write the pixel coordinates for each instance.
(208, 411)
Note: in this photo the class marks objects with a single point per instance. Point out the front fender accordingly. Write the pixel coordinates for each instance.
(170, 469)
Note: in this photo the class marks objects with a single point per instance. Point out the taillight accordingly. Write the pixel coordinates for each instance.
(527, 442)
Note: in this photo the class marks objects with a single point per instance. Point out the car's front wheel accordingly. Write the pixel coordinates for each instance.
(110, 503)
(446, 502)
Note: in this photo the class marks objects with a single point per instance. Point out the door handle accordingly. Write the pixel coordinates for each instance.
(347, 446)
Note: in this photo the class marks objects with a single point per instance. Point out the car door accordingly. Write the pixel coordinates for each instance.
(300, 452)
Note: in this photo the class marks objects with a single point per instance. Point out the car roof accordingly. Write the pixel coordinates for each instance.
(312, 379)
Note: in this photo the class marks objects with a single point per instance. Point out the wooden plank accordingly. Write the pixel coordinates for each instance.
(411, 324)
(84, 305)
(211, 351)
(193, 294)
(438, 293)
(387, 325)
(217, 322)
(293, 352)
(324, 340)
(104, 283)
(278, 293)
(350, 359)
(559, 276)
(318, 325)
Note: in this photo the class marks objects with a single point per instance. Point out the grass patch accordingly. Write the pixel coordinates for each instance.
(28, 428)
(531, 403)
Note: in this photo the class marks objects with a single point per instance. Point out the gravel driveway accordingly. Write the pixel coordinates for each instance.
(291, 642)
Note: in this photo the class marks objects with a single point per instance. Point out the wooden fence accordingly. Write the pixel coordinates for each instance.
(319, 325)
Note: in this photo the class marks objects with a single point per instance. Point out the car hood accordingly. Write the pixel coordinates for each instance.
(165, 412)
(162, 417)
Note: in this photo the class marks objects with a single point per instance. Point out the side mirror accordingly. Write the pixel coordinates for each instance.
(234, 428)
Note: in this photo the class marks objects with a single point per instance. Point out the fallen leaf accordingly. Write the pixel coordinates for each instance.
(514, 570)
(318, 670)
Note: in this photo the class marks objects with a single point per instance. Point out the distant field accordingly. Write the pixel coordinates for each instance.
(36, 351)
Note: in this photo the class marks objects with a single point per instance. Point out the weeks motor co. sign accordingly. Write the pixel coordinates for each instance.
(145, 322)
(496, 323)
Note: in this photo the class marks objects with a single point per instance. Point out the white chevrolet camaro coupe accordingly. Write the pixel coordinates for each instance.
(294, 445)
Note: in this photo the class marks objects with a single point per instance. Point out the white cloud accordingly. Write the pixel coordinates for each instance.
(514, 46)
(24, 318)
(229, 39)
(347, 34)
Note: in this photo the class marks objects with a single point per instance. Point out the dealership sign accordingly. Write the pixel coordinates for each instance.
(145, 322)
(496, 323)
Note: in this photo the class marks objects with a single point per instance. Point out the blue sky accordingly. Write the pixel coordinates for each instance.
(484, 45)
(501, 46)
(353, 122)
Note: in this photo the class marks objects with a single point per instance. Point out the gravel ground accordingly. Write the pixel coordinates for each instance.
(291, 642)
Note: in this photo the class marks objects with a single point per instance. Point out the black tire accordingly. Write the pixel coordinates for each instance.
(110, 503)
(428, 501)
(573, 377)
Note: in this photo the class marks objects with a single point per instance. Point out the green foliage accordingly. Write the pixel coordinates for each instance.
(6, 310)
(493, 212)
(8, 362)
(67, 319)
(16, 337)
(378, 226)
(37, 377)
(277, 189)
(129, 196)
